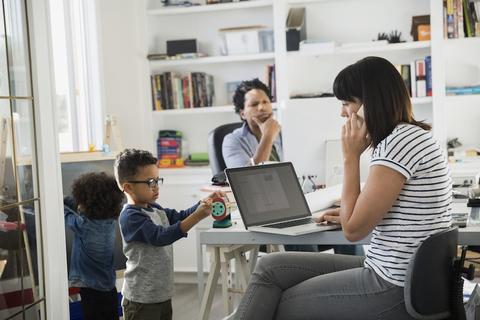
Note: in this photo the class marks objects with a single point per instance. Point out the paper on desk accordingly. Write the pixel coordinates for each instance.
(323, 198)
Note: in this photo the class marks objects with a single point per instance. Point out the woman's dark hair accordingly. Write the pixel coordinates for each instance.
(128, 161)
(98, 195)
(380, 88)
(243, 88)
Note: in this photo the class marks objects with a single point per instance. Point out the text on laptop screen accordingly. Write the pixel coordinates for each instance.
(268, 193)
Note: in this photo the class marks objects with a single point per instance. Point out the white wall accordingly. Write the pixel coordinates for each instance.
(121, 64)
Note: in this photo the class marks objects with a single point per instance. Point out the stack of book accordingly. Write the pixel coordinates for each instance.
(461, 18)
(169, 149)
(417, 77)
(174, 91)
(456, 91)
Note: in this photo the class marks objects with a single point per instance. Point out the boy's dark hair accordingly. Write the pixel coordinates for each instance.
(243, 88)
(128, 161)
(380, 87)
(98, 195)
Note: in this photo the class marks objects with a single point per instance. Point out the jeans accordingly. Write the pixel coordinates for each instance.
(298, 285)
(99, 305)
(146, 311)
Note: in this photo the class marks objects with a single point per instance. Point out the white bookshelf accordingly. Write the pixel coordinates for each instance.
(212, 60)
(364, 49)
(192, 111)
(304, 72)
(345, 22)
(210, 8)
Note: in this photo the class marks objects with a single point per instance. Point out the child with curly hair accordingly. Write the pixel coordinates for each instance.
(91, 214)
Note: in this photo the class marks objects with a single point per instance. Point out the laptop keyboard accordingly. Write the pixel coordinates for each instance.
(281, 225)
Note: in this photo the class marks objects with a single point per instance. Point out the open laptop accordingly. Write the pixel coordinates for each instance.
(270, 200)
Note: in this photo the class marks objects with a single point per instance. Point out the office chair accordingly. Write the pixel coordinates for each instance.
(433, 283)
(215, 140)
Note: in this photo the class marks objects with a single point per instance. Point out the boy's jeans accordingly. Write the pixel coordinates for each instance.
(146, 311)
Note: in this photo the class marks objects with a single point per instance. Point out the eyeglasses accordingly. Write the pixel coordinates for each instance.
(152, 182)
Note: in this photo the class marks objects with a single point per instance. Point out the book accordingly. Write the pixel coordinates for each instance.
(452, 91)
(428, 75)
(420, 78)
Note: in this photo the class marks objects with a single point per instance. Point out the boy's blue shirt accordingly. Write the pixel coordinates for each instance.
(92, 258)
(137, 226)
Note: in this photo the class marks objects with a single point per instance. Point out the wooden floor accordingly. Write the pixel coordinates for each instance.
(186, 305)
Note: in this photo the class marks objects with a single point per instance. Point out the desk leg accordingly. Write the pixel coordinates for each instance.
(200, 278)
(212, 281)
(226, 297)
(241, 267)
(253, 258)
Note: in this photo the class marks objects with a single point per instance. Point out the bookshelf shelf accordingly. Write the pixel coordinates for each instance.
(405, 46)
(423, 100)
(472, 41)
(463, 98)
(300, 2)
(210, 8)
(214, 109)
(415, 101)
(213, 60)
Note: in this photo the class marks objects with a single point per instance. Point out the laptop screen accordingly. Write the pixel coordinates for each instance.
(267, 193)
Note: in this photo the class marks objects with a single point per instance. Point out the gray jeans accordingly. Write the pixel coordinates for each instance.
(298, 285)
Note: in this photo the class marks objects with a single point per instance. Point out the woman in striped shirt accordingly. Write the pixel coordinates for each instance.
(406, 198)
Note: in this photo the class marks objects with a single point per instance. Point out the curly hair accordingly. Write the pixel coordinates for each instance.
(98, 195)
(242, 89)
(128, 161)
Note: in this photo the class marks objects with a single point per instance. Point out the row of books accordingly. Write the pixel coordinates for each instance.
(270, 80)
(173, 91)
(417, 77)
(456, 91)
(461, 18)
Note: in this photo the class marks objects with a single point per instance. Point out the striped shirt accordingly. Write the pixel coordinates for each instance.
(423, 206)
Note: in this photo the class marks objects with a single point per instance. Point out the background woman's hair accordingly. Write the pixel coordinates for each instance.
(377, 84)
(98, 195)
(243, 88)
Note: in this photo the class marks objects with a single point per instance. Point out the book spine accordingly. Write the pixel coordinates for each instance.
(462, 90)
(159, 92)
(450, 19)
(428, 75)
(413, 79)
(461, 33)
(154, 92)
(420, 77)
(405, 73)
(445, 27)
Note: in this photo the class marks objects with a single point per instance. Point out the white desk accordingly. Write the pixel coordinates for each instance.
(237, 237)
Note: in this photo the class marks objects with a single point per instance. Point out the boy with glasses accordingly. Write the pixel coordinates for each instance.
(148, 232)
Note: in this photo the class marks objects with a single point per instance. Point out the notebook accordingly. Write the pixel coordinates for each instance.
(270, 200)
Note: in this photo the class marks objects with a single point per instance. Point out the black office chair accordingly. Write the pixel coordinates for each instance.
(215, 140)
(434, 284)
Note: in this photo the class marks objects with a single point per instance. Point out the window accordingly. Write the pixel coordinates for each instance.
(22, 294)
(77, 74)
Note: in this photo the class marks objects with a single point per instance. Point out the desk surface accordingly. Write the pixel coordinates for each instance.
(238, 235)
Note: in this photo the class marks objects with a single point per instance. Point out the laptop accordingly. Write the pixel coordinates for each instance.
(270, 200)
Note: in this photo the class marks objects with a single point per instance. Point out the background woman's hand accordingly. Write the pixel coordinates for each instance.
(354, 137)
